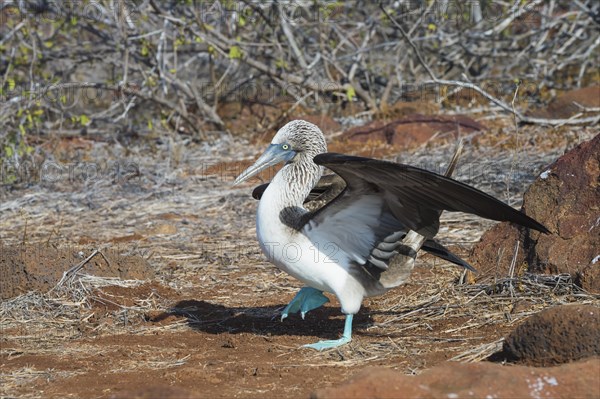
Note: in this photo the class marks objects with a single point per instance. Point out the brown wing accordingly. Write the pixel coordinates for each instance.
(414, 196)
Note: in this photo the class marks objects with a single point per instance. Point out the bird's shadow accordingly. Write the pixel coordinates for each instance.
(325, 322)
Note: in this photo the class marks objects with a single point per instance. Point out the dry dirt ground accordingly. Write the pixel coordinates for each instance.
(186, 305)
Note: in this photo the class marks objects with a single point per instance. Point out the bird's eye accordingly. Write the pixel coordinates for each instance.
(285, 146)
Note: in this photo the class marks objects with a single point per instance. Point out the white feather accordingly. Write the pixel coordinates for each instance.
(320, 255)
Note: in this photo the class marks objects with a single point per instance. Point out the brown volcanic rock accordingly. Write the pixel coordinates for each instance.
(474, 380)
(493, 254)
(411, 129)
(563, 106)
(566, 199)
(557, 335)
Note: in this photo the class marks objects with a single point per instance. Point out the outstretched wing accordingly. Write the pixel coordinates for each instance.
(381, 198)
(414, 196)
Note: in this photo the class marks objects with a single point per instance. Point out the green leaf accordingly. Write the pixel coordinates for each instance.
(84, 120)
(22, 130)
(235, 52)
(11, 84)
(10, 178)
(144, 51)
(350, 93)
(9, 151)
(281, 64)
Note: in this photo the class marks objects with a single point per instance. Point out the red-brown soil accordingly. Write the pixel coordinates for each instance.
(203, 321)
(206, 343)
(26, 267)
(225, 341)
(478, 380)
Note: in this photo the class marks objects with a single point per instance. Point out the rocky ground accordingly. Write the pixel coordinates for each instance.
(169, 295)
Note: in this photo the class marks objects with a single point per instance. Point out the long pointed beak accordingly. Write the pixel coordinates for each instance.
(272, 156)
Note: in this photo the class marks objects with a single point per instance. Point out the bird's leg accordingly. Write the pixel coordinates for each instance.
(346, 337)
(314, 300)
(306, 299)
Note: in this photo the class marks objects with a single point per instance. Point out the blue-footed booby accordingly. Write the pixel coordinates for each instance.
(363, 241)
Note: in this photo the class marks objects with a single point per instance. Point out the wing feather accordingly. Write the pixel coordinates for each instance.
(369, 200)
(416, 196)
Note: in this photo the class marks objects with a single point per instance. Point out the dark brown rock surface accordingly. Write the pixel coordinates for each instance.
(566, 199)
(411, 129)
(565, 104)
(557, 335)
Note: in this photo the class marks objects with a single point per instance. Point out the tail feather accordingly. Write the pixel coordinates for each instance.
(437, 249)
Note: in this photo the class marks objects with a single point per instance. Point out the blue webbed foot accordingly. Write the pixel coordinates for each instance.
(306, 299)
(334, 343)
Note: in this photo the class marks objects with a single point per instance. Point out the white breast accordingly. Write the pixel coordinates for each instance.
(318, 260)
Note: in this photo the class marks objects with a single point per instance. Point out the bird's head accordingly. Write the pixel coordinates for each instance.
(295, 142)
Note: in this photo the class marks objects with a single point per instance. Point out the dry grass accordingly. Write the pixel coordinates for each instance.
(27, 375)
(36, 322)
(474, 317)
(210, 248)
